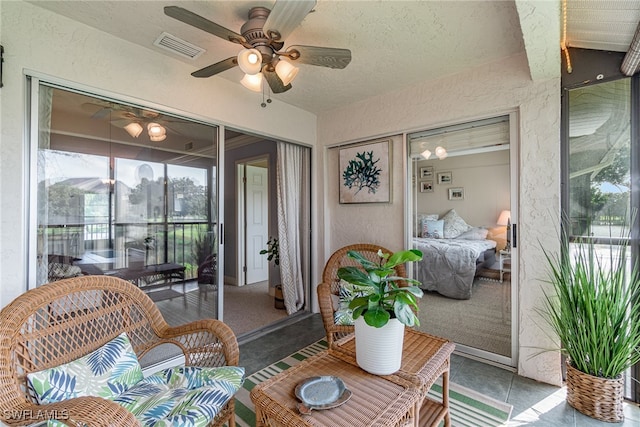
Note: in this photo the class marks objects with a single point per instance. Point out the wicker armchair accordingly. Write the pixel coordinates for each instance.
(62, 321)
(329, 288)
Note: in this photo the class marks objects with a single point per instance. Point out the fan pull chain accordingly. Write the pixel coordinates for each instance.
(264, 105)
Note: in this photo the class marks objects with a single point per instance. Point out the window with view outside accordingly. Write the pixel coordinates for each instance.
(599, 159)
(110, 200)
(600, 171)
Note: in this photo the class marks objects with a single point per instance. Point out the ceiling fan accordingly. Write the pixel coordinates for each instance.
(132, 119)
(262, 38)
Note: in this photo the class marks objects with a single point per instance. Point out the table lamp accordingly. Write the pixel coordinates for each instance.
(505, 219)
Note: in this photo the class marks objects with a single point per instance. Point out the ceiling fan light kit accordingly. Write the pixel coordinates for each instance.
(250, 61)
(252, 82)
(262, 37)
(441, 153)
(157, 132)
(286, 71)
(134, 129)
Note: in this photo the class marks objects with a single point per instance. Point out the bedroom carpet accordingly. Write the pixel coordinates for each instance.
(481, 322)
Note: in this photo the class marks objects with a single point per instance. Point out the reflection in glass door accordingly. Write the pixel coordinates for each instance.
(598, 197)
(462, 221)
(129, 192)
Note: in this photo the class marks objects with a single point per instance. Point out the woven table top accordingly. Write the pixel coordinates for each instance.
(376, 400)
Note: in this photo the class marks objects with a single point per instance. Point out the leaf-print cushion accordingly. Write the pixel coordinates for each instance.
(106, 372)
(346, 293)
(182, 396)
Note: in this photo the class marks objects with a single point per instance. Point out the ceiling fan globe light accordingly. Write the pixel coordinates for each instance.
(250, 61)
(252, 82)
(134, 129)
(156, 130)
(441, 153)
(157, 138)
(286, 71)
(426, 154)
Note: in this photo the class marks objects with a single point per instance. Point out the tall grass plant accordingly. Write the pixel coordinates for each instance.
(595, 308)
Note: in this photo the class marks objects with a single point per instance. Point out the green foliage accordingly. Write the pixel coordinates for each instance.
(203, 245)
(595, 309)
(362, 172)
(380, 296)
(272, 250)
(65, 200)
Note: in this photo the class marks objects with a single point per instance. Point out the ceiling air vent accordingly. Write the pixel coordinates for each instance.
(179, 46)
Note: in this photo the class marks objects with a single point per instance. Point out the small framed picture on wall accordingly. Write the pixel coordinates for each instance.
(426, 187)
(445, 178)
(456, 193)
(426, 172)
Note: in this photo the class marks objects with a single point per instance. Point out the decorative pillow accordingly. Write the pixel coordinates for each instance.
(183, 396)
(107, 372)
(454, 225)
(59, 270)
(420, 219)
(476, 233)
(433, 229)
(343, 314)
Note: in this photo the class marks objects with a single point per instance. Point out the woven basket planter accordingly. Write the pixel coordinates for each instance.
(599, 398)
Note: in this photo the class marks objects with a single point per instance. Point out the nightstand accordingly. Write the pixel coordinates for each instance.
(505, 263)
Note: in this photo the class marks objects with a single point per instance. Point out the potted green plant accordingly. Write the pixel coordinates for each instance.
(272, 251)
(595, 311)
(381, 308)
(273, 255)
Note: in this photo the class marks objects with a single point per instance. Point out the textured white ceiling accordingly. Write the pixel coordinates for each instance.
(394, 44)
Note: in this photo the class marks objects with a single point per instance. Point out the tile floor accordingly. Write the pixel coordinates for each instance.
(534, 403)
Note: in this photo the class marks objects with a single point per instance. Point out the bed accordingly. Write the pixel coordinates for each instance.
(450, 264)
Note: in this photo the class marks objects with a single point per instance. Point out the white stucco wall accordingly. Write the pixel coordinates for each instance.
(36, 40)
(493, 89)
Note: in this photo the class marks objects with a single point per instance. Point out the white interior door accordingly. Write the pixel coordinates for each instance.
(257, 220)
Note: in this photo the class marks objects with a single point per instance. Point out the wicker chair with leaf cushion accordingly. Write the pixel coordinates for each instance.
(69, 351)
(329, 290)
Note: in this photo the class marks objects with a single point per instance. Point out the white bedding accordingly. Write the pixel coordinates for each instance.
(448, 266)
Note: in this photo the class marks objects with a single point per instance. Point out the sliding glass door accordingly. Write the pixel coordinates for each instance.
(132, 192)
(600, 151)
(125, 191)
(464, 214)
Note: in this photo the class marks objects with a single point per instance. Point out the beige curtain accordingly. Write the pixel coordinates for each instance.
(289, 182)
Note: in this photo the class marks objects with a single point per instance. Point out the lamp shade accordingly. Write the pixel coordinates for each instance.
(504, 218)
(426, 154)
(441, 152)
(252, 82)
(286, 71)
(134, 129)
(156, 130)
(250, 61)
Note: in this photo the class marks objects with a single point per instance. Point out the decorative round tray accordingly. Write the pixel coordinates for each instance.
(324, 392)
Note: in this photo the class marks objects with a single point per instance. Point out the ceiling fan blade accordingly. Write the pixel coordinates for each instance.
(274, 81)
(216, 68)
(286, 15)
(204, 24)
(322, 56)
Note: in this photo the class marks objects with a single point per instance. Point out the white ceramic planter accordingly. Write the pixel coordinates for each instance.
(379, 350)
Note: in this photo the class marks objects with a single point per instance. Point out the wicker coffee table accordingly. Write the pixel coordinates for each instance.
(375, 401)
(424, 358)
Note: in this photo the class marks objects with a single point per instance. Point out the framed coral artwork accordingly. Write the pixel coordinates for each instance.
(365, 173)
